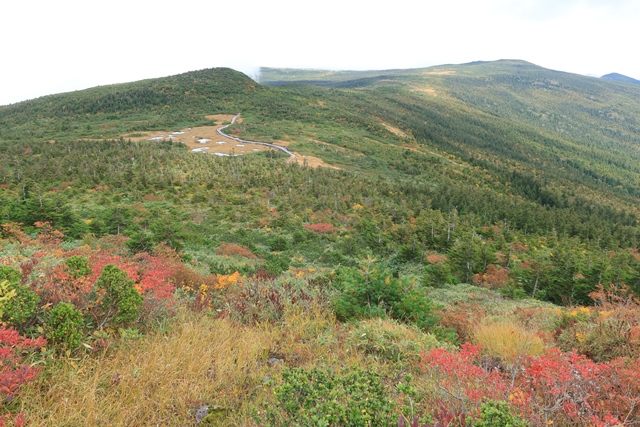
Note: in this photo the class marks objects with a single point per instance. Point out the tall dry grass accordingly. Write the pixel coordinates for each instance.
(161, 379)
(507, 340)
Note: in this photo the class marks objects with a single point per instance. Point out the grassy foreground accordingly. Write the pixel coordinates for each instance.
(163, 378)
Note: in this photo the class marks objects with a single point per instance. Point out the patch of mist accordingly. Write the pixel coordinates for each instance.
(252, 71)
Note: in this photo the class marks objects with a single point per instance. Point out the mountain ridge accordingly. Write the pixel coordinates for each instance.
(617, 77)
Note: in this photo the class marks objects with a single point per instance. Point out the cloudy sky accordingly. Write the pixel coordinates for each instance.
(53, 46)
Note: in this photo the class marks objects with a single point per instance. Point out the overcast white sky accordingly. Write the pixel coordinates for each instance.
(52, 46)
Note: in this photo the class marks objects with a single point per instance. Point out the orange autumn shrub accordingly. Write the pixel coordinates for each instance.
(223, 281)
(11, 230)
(206, 293)
(436, 258)
(47, 234)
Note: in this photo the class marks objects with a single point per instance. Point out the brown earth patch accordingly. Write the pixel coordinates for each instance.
(203, 139)
(206, 139)
(440, 73)
(221, 119)
(426, 90)
(412, 147)
(310, 161)
(394, 130)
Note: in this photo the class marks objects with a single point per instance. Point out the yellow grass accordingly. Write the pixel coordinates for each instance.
(507, 340)
(440, 73)
(162, 378)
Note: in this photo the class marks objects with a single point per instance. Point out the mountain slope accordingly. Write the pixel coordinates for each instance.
(505, 141)
(616, 77)
(510, 114)
(465, 195)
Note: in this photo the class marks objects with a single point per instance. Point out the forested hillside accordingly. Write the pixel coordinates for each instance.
(464, 203)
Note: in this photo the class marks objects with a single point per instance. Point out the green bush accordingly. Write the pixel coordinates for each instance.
(276, 264)
(140, 241)
(64, 326)
(379, 294)
(78, 266)
(323, 398)
(279, 243)
(9, 274)
(20, 303)
(121, 302)
(498, 414)
(438, 275)
(22, 307)
(391, 340)
(6, 294)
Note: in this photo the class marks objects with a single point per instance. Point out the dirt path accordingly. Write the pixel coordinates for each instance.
(221, 132)
(214, 140)
(309, 161)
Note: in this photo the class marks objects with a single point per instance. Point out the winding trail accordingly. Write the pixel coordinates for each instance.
(221, 132)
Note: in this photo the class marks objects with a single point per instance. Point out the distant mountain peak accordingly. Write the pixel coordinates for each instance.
(617, 77)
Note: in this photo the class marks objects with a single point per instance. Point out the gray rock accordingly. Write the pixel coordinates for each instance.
(201, 412)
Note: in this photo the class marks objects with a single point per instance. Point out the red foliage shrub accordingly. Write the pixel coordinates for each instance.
(101, 259)
(13, 372)
(573, 388)
(233, 249)
(16, 420)
(464, 384)
(561, 388)
(634, 335)
(321, 228)
(60, 286)
(155, 276)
